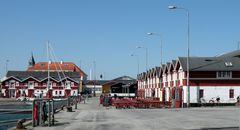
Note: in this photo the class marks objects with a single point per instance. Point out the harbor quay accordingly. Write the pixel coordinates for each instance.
(92, 116)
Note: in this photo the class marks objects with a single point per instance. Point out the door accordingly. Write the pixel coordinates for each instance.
(12, 93)
(178, 98)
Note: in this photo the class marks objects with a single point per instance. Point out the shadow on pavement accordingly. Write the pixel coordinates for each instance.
(61, 123)
(219, 128)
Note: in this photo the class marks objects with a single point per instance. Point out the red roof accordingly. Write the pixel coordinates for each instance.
(65, 66)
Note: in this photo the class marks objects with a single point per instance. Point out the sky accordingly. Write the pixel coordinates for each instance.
(107, 32)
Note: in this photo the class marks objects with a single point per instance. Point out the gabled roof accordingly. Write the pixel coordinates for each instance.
(56, 66)
(122, 79)
(166, 67)
(225, 62)
(40, 76)
(96, 82)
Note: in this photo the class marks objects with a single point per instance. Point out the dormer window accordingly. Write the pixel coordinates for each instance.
(228, 64)
(224, 74)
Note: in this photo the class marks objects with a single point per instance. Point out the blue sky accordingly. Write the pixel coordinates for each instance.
(108, 31)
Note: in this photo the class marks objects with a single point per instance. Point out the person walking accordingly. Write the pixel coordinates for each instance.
(44, 113)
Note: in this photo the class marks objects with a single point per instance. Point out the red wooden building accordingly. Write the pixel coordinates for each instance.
(32, 84)
(209, 78)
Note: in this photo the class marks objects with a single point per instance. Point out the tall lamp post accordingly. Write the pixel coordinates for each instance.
(94, 74)
(188, 50)
(137, 62)
(7, 66)
(139, 47)
(155, 34)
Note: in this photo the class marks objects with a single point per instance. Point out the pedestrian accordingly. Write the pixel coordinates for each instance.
(84, 98)
(101, 99)
(109, 100)
(35, 112)
(238, 100)
(44, 113)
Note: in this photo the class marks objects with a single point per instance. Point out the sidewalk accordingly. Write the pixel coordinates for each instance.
(91, 116)
(65, 119)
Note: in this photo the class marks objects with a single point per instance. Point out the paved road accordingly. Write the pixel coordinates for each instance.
(91, 116)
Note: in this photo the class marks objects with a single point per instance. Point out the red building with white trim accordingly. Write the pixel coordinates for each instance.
(210, 78)
(31, 84)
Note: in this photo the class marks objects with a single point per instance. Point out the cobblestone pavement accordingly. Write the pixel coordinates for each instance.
(91, 116)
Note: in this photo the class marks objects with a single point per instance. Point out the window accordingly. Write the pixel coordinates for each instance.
(228, 64)
(224, 74)
(30, 84)
(54, 84)
(36, 84)
(56, 92)
(60, 92)
(17, 83)
(201, 93)
(72, 83)
(177, 75)
(50, 84)
(12, 85)
(44, 84)
(67, 84)
(231, 93)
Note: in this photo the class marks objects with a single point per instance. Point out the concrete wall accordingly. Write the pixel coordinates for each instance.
(212, 92)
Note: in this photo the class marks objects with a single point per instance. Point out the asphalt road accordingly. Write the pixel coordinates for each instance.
(91, 116)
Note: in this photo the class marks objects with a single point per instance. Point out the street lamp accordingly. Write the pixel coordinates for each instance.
(94, 83)
(155, 34)
(139, 47)
(137, 62)
(188, 50)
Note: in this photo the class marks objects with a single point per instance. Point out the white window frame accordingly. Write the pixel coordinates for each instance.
(30, 84)
(17, 83)
(67, 84)
(224, 74)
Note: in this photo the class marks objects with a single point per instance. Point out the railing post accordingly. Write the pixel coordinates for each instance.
(40, 113)
(49, 113)
(53, 112)
(33, 120)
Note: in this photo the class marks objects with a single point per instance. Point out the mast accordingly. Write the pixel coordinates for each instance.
(48, 59)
